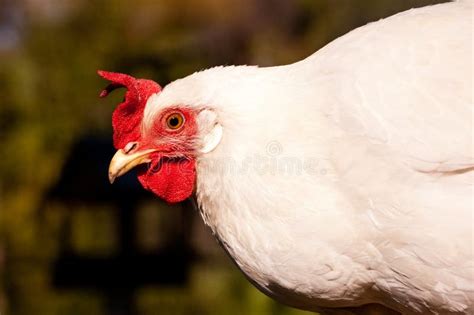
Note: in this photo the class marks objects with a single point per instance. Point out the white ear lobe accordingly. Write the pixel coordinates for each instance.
(209, 129)
(212, 139)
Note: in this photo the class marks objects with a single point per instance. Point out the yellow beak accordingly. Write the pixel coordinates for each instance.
(122, 162)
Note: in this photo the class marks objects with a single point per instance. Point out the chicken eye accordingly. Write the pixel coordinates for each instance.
(174, 121)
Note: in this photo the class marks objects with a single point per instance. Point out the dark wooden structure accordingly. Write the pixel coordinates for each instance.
(84, 182)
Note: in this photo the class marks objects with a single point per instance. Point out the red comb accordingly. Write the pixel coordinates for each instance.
(127, 117)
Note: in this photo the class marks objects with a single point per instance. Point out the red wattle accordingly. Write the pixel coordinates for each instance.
(170, 179)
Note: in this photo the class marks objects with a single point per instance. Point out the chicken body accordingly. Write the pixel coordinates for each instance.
(346, 178)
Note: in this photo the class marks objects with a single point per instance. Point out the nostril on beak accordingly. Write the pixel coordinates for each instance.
(130, 147)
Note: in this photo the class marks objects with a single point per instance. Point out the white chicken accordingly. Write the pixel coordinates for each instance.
(341, 180)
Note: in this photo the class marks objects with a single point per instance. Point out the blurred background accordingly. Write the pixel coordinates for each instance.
(70, 243)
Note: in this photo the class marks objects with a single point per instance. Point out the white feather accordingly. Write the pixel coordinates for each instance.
(346, 178)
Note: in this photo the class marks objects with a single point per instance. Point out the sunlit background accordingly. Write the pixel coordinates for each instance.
(69, 242)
